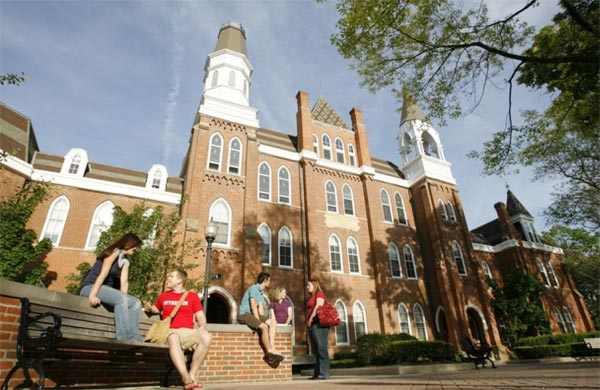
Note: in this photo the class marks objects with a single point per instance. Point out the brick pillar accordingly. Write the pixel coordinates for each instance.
(303, 120)
(360, 136)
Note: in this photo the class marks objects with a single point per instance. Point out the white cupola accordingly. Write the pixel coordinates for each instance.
(227, 80)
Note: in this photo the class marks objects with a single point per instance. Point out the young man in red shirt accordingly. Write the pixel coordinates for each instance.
(183, 335)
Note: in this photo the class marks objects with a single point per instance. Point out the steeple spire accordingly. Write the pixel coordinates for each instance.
(410, 110)
(514, 206)
(227, 81)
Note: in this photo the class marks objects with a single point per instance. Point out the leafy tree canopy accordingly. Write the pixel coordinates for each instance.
(446, 57)
(12, 78)
(21, 254)
(162, 250)
(582, 259)
(518, 307)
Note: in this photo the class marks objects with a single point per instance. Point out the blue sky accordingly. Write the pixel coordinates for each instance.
(123, 80)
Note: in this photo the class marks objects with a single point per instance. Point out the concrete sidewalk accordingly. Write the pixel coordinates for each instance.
(541, 375)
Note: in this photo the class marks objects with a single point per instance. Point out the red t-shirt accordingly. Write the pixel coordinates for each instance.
(184, 318)
(312, 301)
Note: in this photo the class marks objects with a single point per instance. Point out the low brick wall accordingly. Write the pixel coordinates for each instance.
(234, 356)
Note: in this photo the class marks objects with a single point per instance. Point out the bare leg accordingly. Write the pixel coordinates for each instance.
(272, 331)
(178, 358)
(264, 337)
(200, 353)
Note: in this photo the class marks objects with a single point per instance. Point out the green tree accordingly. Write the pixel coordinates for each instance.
(13, 78)
(517, 306)
(150, 264)
(582, 259)
(22, 255)
(446, 58)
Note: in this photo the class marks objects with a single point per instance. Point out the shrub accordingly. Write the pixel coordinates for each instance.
(373, 347)
(555, 339)
(544, 351)
(419, 351)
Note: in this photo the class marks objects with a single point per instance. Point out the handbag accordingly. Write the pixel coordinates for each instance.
(159, 331)
(328, 315)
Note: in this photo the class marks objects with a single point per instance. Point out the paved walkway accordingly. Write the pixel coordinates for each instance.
(548, 376)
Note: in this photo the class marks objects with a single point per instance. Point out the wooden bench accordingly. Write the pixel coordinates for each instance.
(56, 336)
(590, 348)
(478, 353)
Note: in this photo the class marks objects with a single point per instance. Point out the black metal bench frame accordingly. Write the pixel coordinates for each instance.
(479, 354)
(40, 334)
(586, 349)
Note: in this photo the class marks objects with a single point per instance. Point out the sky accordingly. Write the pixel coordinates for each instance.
(123, 80)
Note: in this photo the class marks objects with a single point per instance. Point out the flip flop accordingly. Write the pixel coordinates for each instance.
(274, 356)
(270, 362)
(191, 386)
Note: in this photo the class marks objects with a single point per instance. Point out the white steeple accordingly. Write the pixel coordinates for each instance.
(421, 150)
(227, 81)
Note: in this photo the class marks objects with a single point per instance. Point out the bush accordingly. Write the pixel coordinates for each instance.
(421, 351)
(373, 348)
(555, 339)
(544, 351)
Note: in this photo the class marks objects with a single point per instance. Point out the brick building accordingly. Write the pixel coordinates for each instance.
(389, 243)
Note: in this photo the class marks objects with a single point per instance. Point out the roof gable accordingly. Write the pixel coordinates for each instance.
(323, 112)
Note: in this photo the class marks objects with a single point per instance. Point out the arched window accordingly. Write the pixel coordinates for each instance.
(56, 219)
(101, 220)
(404, 318)
(385, 205)
(353, 258)
(215, 152)
(231, 80)
(430, 146)
(351, 155)
(215, 79)
(360, 320)
(486, 269)
(569, 323)
(284, 186)
(74, 166)
(331, 197)
(394, 261)
(420, 322)
(443, 212)
(400, 209)
(265, 235)
(543, 273)
(458, 258)
(157, 177)
(264, 181)
(559, 319)
(553, 278)
(335, 254)
(285, 248)
(339, 151)
(235, 156)
(348, 199)
(451, 211)
(220, 214)
(409, 263)
(315, 144)
(341, 331)
(326, 147)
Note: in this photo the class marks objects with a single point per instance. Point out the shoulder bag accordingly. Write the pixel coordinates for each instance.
(159, 331)
(328, 315)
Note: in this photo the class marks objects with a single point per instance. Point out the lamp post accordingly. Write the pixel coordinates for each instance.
(210, 232)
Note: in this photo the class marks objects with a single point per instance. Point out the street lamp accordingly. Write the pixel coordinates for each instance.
(210, 232)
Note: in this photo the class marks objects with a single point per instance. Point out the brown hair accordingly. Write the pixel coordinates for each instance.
(316, 284)
(182, 275)
(275, 293)
(128, 241)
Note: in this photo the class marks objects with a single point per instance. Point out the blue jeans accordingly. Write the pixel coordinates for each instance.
(318, 340)
(127, 310)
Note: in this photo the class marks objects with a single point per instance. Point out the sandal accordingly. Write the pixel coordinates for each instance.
(191, 386)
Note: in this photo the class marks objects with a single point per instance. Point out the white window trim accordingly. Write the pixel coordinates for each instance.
(239, 167)
(341, 270)
(452, 212)
(258, 183)
(264, 225)
(315, 142)
(284, 168)
(341, 150)
(462, 259)
(64, 170)
(401, 304)
(424, 321)
(358, 304)
(345, 185)
(352, 155)
(327, 200)
(396, 196)
(291, 248)
(230, 222)
(389, 205)
(357, 255)
(64, 222)
(414, 262)
(399, 260)
(88, 245)
(443, 211)
(210, 146)
(163, 177)
(328, 148)
(344, 318)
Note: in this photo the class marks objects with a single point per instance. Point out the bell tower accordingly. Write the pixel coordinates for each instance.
(421, 150)
(227, 79)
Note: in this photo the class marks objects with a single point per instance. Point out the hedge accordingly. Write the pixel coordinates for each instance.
(378, 349)
(555, 339)
(545, 351)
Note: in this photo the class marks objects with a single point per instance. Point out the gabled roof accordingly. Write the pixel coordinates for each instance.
(514, 207)
(323, 112)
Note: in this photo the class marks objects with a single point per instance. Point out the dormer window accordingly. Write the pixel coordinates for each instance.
(157, 177)
(75, 162)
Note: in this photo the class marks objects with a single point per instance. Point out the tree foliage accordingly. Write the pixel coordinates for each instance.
(13, 78)
(582, 259)
(162, 250)
(446, 58)
(21, 254)
(518, 307)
